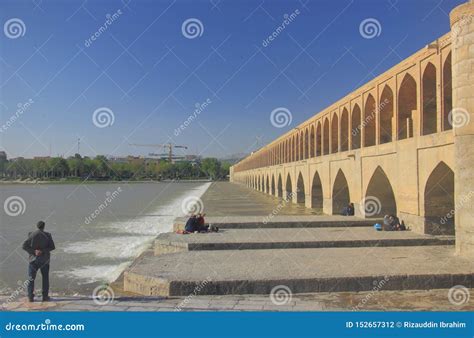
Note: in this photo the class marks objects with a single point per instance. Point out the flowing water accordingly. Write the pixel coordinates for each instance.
(98, 228)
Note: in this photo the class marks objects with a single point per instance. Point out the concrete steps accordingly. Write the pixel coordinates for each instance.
(289, 238)
(267, 222)
(301, 270)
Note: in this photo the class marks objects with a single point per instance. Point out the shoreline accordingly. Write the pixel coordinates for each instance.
(78, 182)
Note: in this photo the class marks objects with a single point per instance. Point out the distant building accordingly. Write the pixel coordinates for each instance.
(3, 156)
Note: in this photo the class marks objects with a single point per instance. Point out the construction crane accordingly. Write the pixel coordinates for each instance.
(169, 146)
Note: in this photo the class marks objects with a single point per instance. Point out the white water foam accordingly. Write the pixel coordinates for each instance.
(136, 235)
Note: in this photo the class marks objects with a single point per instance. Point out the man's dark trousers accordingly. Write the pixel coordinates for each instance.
(33, 268)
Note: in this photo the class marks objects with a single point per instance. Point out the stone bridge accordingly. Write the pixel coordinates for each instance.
(402, 144)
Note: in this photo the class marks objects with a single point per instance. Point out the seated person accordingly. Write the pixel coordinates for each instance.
(196, 224)
(392, 223)
(348, 210)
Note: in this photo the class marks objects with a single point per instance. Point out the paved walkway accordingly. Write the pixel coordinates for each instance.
(432, 300)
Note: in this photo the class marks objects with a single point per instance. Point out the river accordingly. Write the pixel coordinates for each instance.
(98, 228)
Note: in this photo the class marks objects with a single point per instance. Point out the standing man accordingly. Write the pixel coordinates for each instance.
(39, 245)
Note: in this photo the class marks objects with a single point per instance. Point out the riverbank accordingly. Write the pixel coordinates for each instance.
(77, 181)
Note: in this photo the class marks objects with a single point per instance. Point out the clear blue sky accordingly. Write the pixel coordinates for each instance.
(151, 76)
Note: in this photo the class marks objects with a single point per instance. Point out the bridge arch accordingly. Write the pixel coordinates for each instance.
(439, 201)
(340, 193)
(319, 140)
(429, 112)
(370, 116)
(316, 192)
(386, 115)
(447, 90)
(379, 197)
(311, 142)
(267, 185)
(344, 130)
(306, 144)
(288, 189)
(279, 186)
(355, 127)
(300, 191)
(407, 103)
(326, 137)
(334, 133)
(272, 190)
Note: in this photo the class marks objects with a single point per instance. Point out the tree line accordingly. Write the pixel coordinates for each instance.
(101, 168)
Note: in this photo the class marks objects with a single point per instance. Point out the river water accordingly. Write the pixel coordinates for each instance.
(98, 228)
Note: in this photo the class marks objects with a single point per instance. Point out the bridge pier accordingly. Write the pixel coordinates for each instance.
(462, 36)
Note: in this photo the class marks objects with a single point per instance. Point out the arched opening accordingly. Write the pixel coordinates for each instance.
(344, 130)
(288, 189)
(272, 191)
(406, 105)
(439, 201)
(319, 140)
(386, 115)
(280, 187)
(340, 193)
(447, 93)
(326, 137)
(317, 192)
(334, 134)
(300, 192)
(306, 144)
(311, 142)
(370, 116)
(267, 186)
(355, 127)
(290, 152)
(379, 197)
(429, 117)
(297, 147)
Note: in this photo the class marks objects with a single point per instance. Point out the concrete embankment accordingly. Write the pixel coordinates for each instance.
(254, 253)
